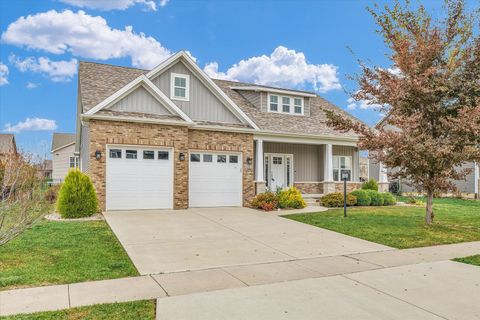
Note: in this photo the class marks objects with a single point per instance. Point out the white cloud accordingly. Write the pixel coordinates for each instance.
(85, 36)
(31, 124)
(3, 74)
(56, 70)
(163, 3)
(283, 67)
(111, 4)
(362, 104)
(32, 85)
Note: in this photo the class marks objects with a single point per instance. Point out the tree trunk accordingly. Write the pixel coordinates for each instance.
(429, 210)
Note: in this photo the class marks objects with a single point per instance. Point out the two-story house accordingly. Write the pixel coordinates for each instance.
(172, 137)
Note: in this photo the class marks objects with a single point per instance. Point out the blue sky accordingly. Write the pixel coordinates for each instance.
(298, 44)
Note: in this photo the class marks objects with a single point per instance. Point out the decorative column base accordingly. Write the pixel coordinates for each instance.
(328, 187)
(383, 187)
(260, 187)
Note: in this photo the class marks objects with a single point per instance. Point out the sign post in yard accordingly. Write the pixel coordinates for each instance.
(344, 178)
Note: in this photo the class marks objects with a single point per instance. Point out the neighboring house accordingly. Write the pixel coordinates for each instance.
(468, 187)
(172, 137)
(7, 145)
(63, 155)
(44, 170)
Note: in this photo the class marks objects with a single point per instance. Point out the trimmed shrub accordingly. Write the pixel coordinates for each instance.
(363, 197)
(388, 199)
(267, 201)
(370, 185)
(335, 199)
(376, 197)
(291, 198)
(77, 198)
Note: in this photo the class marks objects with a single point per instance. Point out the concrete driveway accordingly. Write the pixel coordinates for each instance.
(166, 241)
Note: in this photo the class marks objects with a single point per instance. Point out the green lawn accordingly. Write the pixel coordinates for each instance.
(141, 310)
(475, 260)
(63, 252)
(456, 220)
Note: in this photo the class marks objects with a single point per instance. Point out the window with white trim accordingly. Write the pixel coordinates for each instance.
(285, 104)
(180, 86)
(273, 103)
(342, 165)
(74, 162)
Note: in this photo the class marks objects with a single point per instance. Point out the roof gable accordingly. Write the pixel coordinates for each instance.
(203, 104)
(7, 143)
(141, 80)
(140, 100)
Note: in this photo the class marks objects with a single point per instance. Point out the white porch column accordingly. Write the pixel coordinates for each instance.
(259, 162)
(382, 174)
(356, 166)
(328, 173)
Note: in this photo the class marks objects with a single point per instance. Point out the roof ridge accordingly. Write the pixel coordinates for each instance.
(112, 65)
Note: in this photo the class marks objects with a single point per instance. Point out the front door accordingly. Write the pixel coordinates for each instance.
(279, 172)
(278, 180)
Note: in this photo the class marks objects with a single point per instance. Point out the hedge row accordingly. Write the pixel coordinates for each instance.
(360, 198)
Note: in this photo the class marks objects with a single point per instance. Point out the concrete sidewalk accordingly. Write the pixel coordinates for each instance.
(191, 282)
(436, 290)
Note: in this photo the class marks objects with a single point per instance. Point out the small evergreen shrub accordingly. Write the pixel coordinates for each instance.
(77, 198)
(370, 185)
(335, 199)
(267, 201)
(376, 197)
(388, 199)
(291, 198)
(363, 197)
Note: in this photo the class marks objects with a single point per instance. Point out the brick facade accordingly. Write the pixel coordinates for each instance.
(180, 138)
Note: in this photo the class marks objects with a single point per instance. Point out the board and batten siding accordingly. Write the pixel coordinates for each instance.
(307, 159)
(203, 104)
(351, 152)
(61, 163)
(85, 149)
(142, 101)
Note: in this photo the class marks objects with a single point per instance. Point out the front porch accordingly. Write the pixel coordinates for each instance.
(314, 167)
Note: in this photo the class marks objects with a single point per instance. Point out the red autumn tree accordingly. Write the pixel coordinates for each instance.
(431, 93)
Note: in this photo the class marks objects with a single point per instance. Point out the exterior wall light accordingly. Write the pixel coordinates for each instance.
(249, 160)
(181, 156)
(98, 154)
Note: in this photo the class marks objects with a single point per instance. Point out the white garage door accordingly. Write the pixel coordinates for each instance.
(215, 179)
(139, 178)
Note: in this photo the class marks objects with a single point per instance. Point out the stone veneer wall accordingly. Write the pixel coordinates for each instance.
(228, 142)
(350, 186)
(180, 138)
(309, 187)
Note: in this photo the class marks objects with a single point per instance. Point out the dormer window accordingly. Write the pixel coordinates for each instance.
(289, 105)
(180, 86)
(273, 103)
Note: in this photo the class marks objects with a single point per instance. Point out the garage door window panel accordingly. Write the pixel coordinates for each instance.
(148, 155)
(233, 159)
(194, 157)
(163, 155)
(207, 158)
(115, 153)
(131, 154)
(221, 158)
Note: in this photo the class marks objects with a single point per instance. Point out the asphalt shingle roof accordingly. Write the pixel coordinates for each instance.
(62, 139)
(99, 81)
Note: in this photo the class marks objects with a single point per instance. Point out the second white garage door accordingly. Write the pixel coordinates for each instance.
(215, 179)
(139, 178)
